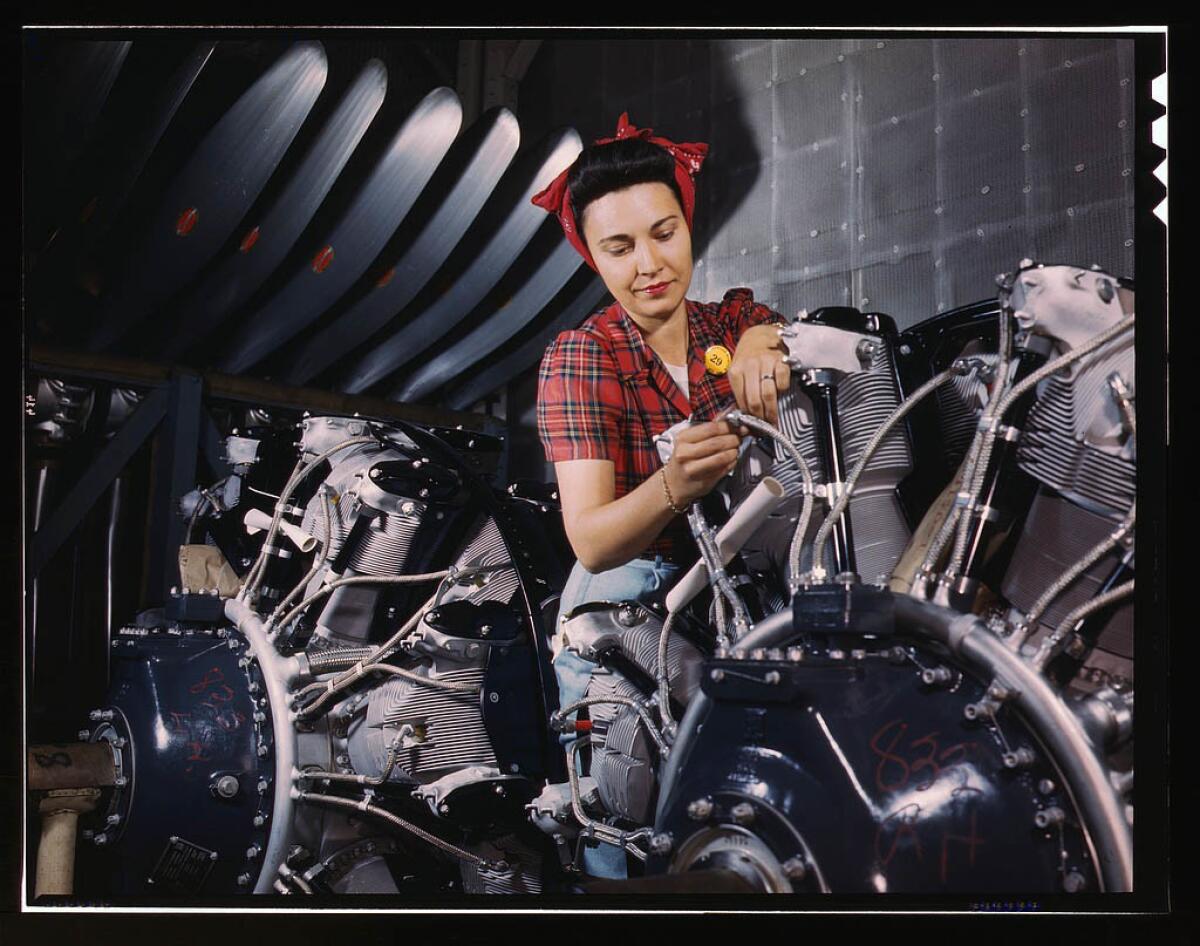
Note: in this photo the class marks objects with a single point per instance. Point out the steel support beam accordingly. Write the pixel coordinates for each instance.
(174, 475)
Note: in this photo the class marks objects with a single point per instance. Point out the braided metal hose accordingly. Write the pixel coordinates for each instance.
(1093, 555)
(604, 832)
(301, 470)
(389, 765)
(373, 654)
(986, 437)
(361, 670)
(559, 715)
(328, 589)
(318, 563)
(1055, 642)
(817, 571)
(806, 505)
(365, 807)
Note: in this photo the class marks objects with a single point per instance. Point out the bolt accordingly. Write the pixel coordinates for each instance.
(499, 790)
(660, 844)
(772, 677)
(935, 675)
(837, 655)
(85, 734)
(485, 630)
(252, 852)
(259, 716)
(263, 749)
(858, 654)
(795, 653)
(443, 809)
(212, 855)
(343, 759)
(113, 819)
(243, 880)
(1020, 758)
(795, 868)
(1074, 882)
(97, 715)
(260, 820)
(1049, 816)
(262, 786)
(742, 813)
(716, 675)
(1045, 786)
(100, 839)
(700, 809)
(998, 691)
(87, 834)
(494, 697)
(120, 781)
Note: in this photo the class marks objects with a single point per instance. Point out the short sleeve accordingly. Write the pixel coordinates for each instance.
(739, 312)
(580, 401)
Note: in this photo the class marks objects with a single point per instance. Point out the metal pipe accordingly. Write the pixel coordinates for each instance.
(1093, 555)
(771, 631)
(1057, 640)
(987, 434)
(560, 714)
(843, 501)
(806, 503)
(328, 589)
(54, 767)
(749, 515)
(365, 807)
(60, 811)
(110, 566)
(278, 672)
(823, 395)
(1057, 727)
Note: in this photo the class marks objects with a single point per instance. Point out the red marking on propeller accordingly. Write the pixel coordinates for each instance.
(385, 278)
(187, 221)
(248, 241)
(322, 260)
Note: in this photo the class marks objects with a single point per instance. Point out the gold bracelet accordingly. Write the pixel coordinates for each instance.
(667, 491)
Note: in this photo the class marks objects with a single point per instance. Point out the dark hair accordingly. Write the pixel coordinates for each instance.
(602, 169)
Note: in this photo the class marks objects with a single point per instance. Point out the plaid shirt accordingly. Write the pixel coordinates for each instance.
(604, 394)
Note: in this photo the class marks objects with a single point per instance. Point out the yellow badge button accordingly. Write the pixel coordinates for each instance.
(717, 359)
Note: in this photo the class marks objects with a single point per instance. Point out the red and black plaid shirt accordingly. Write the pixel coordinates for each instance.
(604, 394)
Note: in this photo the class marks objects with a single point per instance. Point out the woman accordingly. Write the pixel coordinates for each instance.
(629, 372)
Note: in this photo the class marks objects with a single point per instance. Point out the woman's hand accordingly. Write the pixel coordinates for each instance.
(758, 372)
(703, 454)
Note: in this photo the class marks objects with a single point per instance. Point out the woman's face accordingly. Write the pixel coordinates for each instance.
(642, 249)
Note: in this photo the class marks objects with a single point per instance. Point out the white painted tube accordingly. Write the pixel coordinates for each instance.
(766, 497)
(256, 521)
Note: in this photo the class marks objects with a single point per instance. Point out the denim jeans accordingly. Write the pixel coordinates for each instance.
(629, 582)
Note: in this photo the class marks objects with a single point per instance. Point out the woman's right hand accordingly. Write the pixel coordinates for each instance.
(703, 454)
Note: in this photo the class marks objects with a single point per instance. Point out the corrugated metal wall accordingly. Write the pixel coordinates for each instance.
(894, 174)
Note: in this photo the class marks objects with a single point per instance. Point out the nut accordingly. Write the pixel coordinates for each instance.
(700, 809)
(742, 813)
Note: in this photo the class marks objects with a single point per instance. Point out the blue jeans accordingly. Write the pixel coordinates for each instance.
(629, 582)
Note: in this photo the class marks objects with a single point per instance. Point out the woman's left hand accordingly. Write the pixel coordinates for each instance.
(758, 373)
